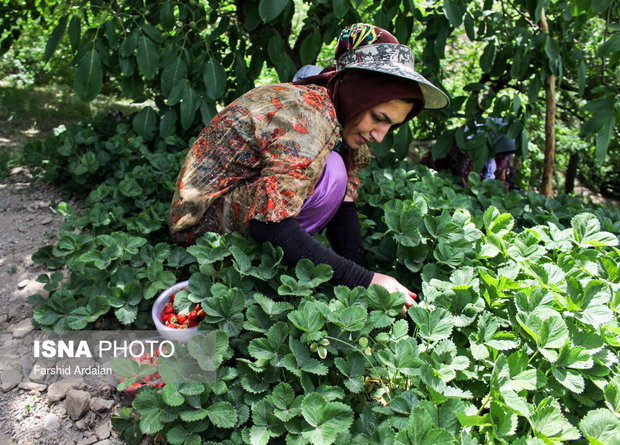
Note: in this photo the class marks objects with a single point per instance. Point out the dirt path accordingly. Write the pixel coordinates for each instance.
(35, 409)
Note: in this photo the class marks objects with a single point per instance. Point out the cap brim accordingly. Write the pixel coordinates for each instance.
(396, 60)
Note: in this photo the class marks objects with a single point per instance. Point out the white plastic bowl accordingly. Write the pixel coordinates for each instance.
(182, 335)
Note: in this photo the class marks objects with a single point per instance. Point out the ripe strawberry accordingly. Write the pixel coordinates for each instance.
(172, 297)
(201, 314)
(181, 318)
(192, 315)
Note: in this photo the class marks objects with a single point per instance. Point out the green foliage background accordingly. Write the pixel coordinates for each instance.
(182, 60)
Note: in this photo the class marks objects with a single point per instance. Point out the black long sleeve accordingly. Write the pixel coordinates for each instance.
(345, 234)
(297, 244)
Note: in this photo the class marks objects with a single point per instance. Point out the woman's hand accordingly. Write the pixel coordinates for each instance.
(392, 285)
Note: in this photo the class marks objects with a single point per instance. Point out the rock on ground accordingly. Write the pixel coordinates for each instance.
(76, 403)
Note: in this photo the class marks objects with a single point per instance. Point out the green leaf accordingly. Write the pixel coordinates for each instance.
(129, 187)
(434, 324)
(404, 218)
(612, 395)
(469, 27)
(153, 410)
(270, 9)
(325, 419)
(190, 102)
(147, 57)
(498, 223)
(549, 421)
(282, 396)
(581, 77)
(178, 435)
(168, 123)
(193, 415)
(587, 232)
(171, 395)
(454, 10)
(569, 378)
(271, 307)
(46, 316)
(272, 347)
(307, 317)
(598, 6)
(286, 404)
(552, 49)
(340, 8)
(222, 414)
(266, 424)
(145, 124)
(124, 367)
(553, 333)
(166, 15)
(74, 32)
(300, 360)
(310, 275)
(126, 314)
(88, 78)
(350, 319)
(311, 46)
(443, 146)
(214, 78)
(504, 422)
(603, 137)
(611, 46)
(173, 73)
(54, 39)
(378, 297)
(205, 348)
(353, 368)
(601, 426)
(488, 57)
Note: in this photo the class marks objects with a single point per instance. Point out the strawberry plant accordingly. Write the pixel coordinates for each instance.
(514, 338)
(517, 343)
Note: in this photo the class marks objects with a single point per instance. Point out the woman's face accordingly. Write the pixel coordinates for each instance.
(371, 125)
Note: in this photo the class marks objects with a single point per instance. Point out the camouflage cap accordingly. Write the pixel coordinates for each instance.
(394, 59)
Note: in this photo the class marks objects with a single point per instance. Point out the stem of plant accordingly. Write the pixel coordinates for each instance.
(484, 403)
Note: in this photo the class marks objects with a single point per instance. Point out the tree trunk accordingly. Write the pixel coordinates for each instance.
(546, 187)
(571, 173)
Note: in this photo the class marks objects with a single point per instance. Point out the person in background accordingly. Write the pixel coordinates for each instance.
(307, 71)
(501, 166)
(281, 162)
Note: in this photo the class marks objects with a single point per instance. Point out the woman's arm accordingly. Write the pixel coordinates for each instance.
(297, 244)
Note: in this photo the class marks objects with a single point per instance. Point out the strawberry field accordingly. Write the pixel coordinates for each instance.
(514, 337)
